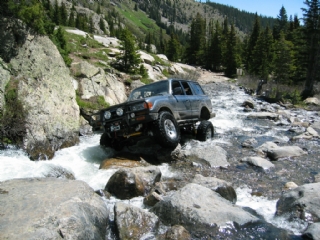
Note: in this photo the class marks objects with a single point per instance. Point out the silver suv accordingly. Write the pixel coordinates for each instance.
(161, 110)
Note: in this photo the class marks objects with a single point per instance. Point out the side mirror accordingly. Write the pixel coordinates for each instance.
(177, 91)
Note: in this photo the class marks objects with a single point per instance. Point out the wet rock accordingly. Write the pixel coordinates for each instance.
(309, 134)
(51, 208)
(213, 156)
(249, 143)
(259, 162)
(129, 183)
(222, 187)
(124, 160)
(274, 152)
(264, 115)
(155, 195)
(317, 178)
(198, 208)
(176, 232)
(312, 232)
(133, 222)
(248, 103)
(60, 172)
(302, 202)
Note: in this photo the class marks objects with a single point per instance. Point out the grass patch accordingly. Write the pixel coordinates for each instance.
(94, 103)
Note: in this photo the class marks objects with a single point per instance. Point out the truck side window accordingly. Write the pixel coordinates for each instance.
(197, 89)
(187, 88)
(175, 85)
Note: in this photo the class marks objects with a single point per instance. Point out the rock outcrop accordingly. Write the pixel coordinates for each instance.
(47, 92)
(50, 208)
(4, 79)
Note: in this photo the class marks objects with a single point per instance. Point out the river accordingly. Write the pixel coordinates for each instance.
(256, 188)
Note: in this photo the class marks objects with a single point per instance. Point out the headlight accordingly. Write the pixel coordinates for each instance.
(119, 112)
(107, 115)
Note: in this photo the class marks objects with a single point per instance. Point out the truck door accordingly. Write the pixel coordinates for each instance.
(183, 104)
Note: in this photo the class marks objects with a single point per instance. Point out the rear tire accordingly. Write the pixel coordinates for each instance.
(166, 130)
(205, 131)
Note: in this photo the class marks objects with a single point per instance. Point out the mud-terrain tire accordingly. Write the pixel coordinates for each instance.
(166, 130)
(205, 131)
(106, 141)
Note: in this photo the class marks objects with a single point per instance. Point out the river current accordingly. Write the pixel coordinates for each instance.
(256, 188)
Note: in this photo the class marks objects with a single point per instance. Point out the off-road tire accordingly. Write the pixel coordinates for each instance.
(205, 131)
(166, 130)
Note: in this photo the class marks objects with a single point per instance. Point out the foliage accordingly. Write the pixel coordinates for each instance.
(13, 119)
(94, 103)
(129, 59)
(59, 39)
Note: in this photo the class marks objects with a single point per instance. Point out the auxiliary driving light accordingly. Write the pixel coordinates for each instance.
(107, 115)
(119, 112)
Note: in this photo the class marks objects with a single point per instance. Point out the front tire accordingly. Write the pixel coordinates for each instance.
(205, 131)
(166, 130)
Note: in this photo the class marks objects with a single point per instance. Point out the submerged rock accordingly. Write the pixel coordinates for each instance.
(259, 162)
(50, 208)
(302, 202)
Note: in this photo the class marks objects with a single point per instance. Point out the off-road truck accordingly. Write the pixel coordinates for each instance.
(160, 110)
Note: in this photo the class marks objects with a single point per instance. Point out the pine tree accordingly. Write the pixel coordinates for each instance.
(63, 14)
(281, 23)
(129, 59)
(231, 54)
(215, 49)
(71, 22)
(173, 49)
(311, 19)
(252, 43)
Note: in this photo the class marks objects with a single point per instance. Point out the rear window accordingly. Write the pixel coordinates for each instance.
(197, 89)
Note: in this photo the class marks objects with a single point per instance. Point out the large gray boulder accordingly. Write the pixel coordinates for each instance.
(46, 90)
(4, 79)
(198, 208)
(133, 222)
(213, 156)
(312, 232)
(302, 202)
(50, 208)
(222, 187)
(95, 82)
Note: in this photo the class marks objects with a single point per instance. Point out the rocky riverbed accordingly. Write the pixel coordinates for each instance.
(202, 190)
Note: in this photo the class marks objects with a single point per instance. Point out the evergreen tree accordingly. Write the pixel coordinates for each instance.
(173, 49)
(196, 45)
(231, 54)
(252, 43)
(56, 13)
(281, 23)
(63, 14)
(215, 49)
(91, 25)
(129, 59)
(102, 25)
(71, 22)
(311, 19)
(284, 67)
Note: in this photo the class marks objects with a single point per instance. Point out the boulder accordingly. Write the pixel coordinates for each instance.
(146, 58)
(248, 103)
(259, 162)
(222, 187)
(4, 79)
(124, 160)
(302, 202)
(200, 209)
(274, 152)
(249, 143)
(50, 208)
(129, 183)
(213, 156)
(312, 232)
(312, 101)
(46, 89)
(289, 186)
(133, 222)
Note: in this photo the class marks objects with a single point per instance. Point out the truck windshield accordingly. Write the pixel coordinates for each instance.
(158, 88)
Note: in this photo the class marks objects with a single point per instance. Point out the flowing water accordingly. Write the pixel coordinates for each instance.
(256, 188)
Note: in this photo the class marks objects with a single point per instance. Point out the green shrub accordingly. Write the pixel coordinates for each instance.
(94, 103)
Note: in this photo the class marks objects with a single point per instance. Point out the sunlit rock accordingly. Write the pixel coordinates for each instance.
(312, 232)
(222, 187)
(259, 162)
(133, 222)
(51, 208)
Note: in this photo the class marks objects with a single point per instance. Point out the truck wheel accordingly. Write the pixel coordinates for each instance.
(166, 130)
(205, 131)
